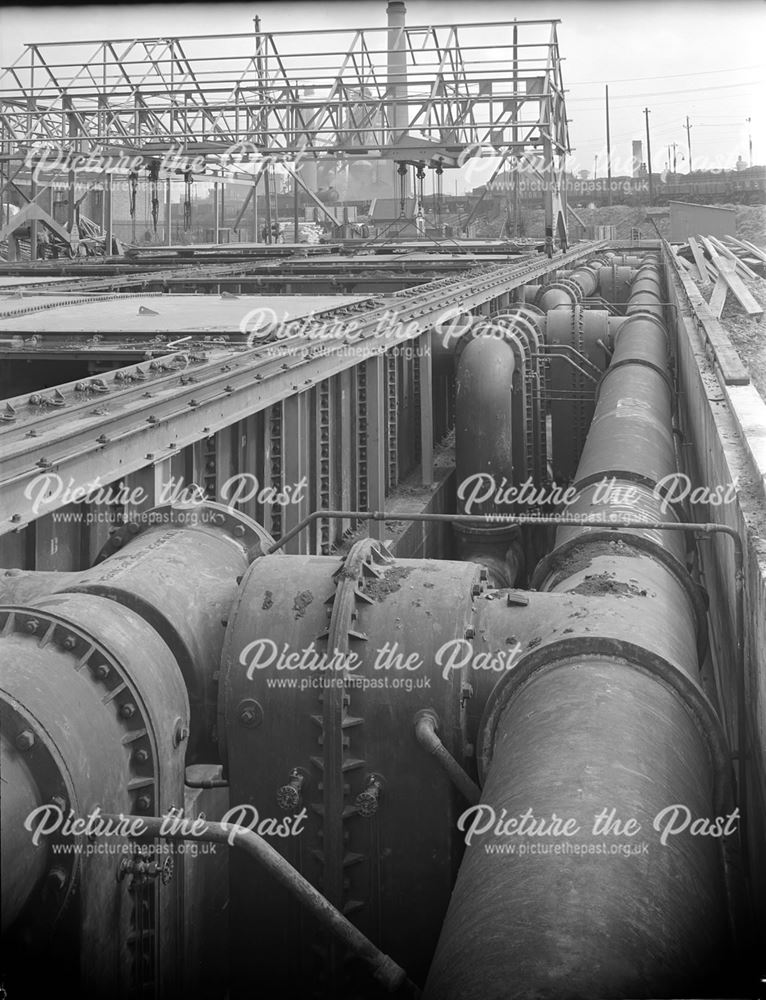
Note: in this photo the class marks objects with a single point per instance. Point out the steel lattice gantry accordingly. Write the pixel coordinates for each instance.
(429, 95)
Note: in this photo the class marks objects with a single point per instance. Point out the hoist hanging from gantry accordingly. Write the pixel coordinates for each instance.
(538, 145)
(188, 188)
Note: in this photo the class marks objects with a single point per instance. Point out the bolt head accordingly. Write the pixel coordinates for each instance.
(128, 710)
(143, 802)
(250, 713)
(141, 756)
(239, 531)
(25, 740)
(32, 626)
(69, 642)
(101, 671)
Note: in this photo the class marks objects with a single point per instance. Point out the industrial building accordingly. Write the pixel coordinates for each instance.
(382, 603)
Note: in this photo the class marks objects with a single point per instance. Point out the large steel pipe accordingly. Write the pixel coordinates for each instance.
(605, 718)
(573, 742)
(630, 436)
(94, 715)
(324, 669)
(484, 412)
(646, 292)
(179, 570)
(571, 335)
(484, 447)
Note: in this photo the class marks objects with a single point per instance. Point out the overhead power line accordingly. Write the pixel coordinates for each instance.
(667, 76)
(660, 93)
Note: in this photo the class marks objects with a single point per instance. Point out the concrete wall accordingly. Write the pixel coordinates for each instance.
(709, 220)
(724, 429)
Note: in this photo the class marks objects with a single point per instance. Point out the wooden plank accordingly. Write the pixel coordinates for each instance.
(699, 258)
(756, 250)
(732, 370)
(734, 243)
(751, 306)
(746, 253)
(718, 298)
(740, 265)
(712, 252)
(685, 265)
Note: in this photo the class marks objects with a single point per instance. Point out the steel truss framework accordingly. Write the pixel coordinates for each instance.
(429, 94)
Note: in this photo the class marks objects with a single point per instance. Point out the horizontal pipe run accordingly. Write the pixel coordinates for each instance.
(708, 528)
(426, 725)
(393, 978)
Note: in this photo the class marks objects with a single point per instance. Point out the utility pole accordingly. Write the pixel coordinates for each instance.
(649, 157)
(515, 134)
(689, 142)
(595, 167)
(749, 140)
(608, 151)
(675, 147)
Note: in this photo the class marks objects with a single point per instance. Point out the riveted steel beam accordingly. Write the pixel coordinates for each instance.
(81, 443)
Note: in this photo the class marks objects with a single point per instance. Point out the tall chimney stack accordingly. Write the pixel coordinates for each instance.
(397, 67)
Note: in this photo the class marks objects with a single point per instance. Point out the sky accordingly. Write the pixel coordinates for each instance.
(701, 58)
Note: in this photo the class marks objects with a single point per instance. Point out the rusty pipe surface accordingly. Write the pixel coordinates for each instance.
(607, 718)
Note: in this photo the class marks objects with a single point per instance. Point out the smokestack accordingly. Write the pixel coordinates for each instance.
(397, 67)
(637, 158)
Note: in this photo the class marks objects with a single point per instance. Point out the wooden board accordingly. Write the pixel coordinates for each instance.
(730, 255)
(751, 306)
(718, 298)
(755, 250)
(699, 258)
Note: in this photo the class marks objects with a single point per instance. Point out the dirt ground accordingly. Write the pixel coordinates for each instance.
(751, 221)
